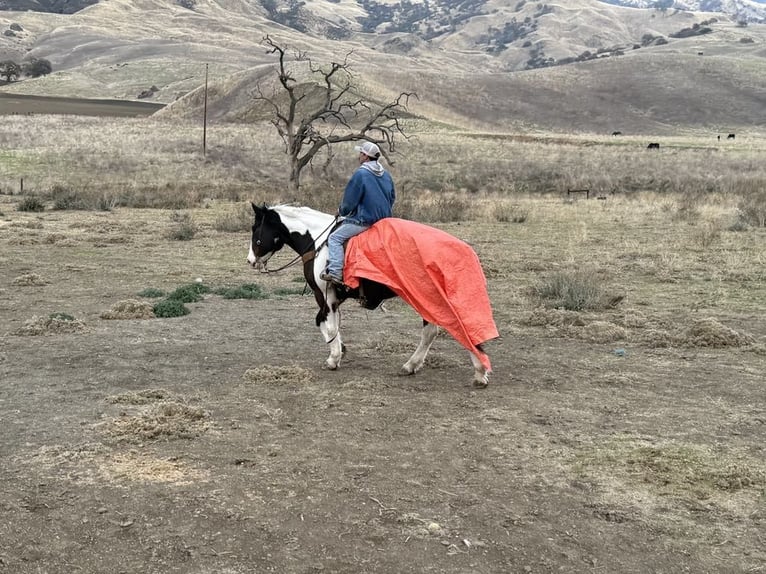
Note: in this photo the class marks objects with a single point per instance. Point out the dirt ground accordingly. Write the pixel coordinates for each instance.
(610, 442)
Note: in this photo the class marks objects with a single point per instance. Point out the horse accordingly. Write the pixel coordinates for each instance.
(305, 231)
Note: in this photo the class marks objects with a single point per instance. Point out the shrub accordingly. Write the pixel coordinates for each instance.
(65, 198)
(37, 67)
(185, 229)
(170, 308)
(509, 214)
(30, 204)
(286, 291)
(445, 209)
(151, 293)
(190, 293)
(752, 208)
(244, 291)
(61, 316)
(571, 291)
(236, 220)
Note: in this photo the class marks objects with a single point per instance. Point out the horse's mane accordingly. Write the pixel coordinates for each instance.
(299, 217)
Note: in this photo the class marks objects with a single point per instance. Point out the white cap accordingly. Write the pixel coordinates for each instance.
(369, 149)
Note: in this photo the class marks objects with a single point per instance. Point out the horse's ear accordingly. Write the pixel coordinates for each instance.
(256, 209)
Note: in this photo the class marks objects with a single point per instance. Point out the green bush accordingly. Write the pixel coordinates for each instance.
(244, 291)
(286, 291)
(170, 308)
(61, 316)
(190, 293)
(151, 293)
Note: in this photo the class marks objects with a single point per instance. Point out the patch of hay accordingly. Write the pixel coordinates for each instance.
(129, 309)
(633, 319)
(657, 339)
(138, 467)
(140, 397)
(710, 333)
(601, 332)
(30, 280)
(269, 375)
(675, 469)
(168, 419)
(49, 326)
(546, 317)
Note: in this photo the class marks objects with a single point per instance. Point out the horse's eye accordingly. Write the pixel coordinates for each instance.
(258, 242)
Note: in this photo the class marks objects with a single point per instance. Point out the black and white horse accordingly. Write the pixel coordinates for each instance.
(305, 230)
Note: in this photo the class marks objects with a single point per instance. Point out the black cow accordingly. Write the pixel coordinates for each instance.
(653, 146)
(730, 137)
(616, 133)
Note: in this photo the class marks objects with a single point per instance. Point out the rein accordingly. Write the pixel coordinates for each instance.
(305, 257)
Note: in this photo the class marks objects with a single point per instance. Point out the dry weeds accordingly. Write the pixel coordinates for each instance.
(30, 279)
(37, 326)
(162, 420)
(279, 375)
(129, 309)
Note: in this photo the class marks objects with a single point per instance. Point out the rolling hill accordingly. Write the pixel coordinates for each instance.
(582, 65)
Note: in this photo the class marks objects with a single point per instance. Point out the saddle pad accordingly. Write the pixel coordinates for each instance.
(439, 275)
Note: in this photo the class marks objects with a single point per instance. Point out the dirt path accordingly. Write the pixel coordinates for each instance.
(215, 442)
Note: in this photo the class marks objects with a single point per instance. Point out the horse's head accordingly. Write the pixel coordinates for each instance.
(268, 236)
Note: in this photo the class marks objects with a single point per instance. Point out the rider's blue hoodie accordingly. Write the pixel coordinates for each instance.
(369, 195)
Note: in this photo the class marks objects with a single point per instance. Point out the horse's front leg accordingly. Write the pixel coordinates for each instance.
(480, 373)
(330, 329)
(417, 359)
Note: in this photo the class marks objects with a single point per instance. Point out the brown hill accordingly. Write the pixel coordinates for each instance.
(638, 71)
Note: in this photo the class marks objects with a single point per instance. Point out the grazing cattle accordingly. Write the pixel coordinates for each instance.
(653, 146)
(730, 137)
(616, 133)
(719, 138)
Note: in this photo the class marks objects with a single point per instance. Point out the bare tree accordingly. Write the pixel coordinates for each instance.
(315, 114)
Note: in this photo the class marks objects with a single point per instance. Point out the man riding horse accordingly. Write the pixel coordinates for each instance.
(369, 197)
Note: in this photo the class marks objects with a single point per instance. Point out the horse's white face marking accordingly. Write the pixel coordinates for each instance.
(258, 262)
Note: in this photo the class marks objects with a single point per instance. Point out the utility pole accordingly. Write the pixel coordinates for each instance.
(204, 118)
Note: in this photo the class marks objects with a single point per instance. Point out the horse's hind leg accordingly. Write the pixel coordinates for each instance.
(330, 329)
(417, 359)
(480, 373)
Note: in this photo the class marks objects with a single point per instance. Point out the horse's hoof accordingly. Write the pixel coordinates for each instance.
(481, 384)
(405, 372)
(331, 367)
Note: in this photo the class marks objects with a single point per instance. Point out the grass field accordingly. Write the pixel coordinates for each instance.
(623, 429)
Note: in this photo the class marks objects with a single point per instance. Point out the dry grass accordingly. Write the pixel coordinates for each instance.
(162, 420)
(52, 325)
(440, 175)
(29, 279)
(278, 375)
(129, 309)
(671, 469)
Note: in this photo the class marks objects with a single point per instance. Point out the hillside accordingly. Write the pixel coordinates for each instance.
(580, 65)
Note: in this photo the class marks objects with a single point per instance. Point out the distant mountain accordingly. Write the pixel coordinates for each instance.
(743, 10)
(575, 65)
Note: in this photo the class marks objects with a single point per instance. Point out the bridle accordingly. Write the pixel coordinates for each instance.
(305, 257)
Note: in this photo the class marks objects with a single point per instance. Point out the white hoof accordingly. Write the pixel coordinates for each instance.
(331, 365)
(408, 369)
(481, 381)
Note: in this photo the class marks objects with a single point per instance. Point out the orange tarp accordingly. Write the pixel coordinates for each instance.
(439, 275)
